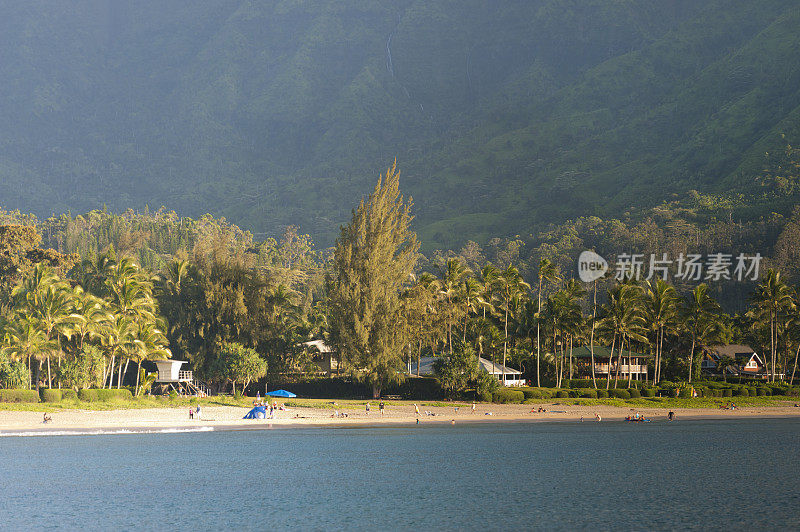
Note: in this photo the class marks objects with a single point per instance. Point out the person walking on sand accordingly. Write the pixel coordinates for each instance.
(381, 407)
(473, 407)
(191, 413)
(416, 409)
(197, 412)
(597, 416)
(367, 407)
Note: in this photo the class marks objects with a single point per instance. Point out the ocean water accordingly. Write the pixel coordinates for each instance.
(731, 475)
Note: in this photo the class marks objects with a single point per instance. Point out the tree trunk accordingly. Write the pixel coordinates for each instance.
(376, 391)
(691, 358)
(591, 340)
(630, 373)
(610, 360)
(538, 348)
(619, 360)
(791, 380)
(138, 372)
(49, 381)
(505, 343)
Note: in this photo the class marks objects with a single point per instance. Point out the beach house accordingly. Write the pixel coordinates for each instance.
(633, 363)
(507, 376)
(734, 359)
(330, 360)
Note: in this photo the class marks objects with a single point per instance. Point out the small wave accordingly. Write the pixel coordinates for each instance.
(102, 432)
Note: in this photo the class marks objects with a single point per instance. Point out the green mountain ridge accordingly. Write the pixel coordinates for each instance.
(504, 117)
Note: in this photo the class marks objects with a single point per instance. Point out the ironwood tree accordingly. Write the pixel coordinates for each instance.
(372, 264)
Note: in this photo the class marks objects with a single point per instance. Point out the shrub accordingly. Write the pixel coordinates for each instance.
(634, 393)
(668, 384)
(648, 392)
(69, 394)
(581, 383)
(602, 394)
(562, 394)
(508, 396)
(48, 395)
(486, 397)
(763, 391)
(727, 392)
(619, 393)
(742, 392)
(779, 390)
(588, 393)
(90, 396)
(113, 394)
(173, 394)
(19, 396)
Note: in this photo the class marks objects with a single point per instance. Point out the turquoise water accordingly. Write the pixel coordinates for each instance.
(739, 474)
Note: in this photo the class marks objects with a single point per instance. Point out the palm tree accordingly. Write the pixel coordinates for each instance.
(453, 274)
(149, 344)
(547, 272)
(661, 308)
(700, 315)
(622, 318)
(510, 285)
(773, 297)
(24, 338)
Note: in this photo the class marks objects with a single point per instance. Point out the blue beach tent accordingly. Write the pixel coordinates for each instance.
(259, 412)
(280, 393)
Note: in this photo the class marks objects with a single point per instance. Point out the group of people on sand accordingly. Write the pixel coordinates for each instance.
(381, 407)
(194, 412)
(273, 406)
(730, 405)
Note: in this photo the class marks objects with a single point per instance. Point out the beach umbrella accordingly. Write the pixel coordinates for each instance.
(280, 393)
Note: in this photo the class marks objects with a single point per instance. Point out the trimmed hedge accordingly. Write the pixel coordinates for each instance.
(618, 393)
(587, 393)
(562, 394)
(538, 393)
(48, 395)
(508, 396)
(742, 392)
(727, 392)
(649, 392)
(114, 394)
(19, 396)
(634, 393)
(69, 393)
(602, 394)
(90, 396)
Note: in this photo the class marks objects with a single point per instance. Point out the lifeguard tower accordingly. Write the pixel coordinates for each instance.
(170, 377)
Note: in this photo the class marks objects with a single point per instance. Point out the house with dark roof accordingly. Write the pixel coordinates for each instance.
(735, 360)
(633, 363)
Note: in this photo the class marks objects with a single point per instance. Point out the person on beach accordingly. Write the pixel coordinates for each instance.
(47, 418)
(191, 413)
(473, 407)
(367, 407)
(197, 412)
(381, 407)
(416, 409)
(597, 416)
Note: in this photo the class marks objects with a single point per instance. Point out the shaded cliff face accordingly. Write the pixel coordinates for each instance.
(503, 115)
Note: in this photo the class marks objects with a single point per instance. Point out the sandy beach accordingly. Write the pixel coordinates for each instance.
(230, 418)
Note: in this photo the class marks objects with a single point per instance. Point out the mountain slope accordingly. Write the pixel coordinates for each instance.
(503, 116)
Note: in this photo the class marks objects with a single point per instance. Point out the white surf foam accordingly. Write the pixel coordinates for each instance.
(103, 432)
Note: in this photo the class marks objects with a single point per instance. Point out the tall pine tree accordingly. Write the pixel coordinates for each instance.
(373, 261)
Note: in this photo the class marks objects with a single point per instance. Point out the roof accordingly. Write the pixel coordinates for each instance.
(496, 369)
(320, 345)
(734, 351)
(426, 367)
(601, 351)
(179, 362)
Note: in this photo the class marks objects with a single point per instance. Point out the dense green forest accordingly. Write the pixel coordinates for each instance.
(505, 117)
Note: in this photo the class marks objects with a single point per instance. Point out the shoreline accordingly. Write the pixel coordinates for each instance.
(229, 418)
